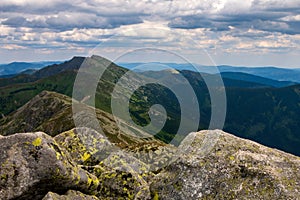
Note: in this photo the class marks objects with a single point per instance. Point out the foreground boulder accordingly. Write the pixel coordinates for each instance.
(70, 195)
(217, 165)
(119, 173)
(85, 145)
(82, 164)
(33, 164)
(123, 176)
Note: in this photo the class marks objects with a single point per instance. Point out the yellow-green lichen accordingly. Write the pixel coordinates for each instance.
(231, 157)
(155, 197)
(85, 156)
(37, 142)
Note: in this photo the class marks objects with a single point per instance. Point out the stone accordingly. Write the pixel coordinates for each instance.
(227, 167)
(122, 175)
(85, 145)
(33, 164)
(70, 195)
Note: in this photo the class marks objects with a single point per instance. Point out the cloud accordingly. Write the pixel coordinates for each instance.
(15, 21)
(69, 21)
(13, 47)
(271, 16)
(229, 26)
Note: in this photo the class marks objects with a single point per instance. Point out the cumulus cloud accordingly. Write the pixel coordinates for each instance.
(226, 25)
(69, 21)
(271, 16)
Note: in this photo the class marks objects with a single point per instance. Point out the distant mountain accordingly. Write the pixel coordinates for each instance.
(230, 79)
(31, 76)
(157, 66)
(275, 73)
(17, 67)
(256, 79)
(280, 74)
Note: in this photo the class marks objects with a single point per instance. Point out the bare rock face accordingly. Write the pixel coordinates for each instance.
(33, 164)
(70, 195)
(228, 168)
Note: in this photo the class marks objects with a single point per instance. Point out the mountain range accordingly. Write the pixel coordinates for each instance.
(274, 73)
(259, 109)
(18, 67)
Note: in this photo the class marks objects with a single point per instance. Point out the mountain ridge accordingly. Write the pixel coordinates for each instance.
(271, 122)
(275, 73)
(17, 67)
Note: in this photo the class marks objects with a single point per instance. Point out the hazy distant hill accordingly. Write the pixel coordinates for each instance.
(230, 79)
(17, 67)
(256, 79)
(275, 73)
(280, 74)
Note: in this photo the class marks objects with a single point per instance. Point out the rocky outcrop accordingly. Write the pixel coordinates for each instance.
(230, 168)
(122, 175)
(209, 165)
(119, 173)
(70, 195)
(33, 164)
(86, 146)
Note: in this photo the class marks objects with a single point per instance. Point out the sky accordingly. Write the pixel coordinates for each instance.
(233, 32)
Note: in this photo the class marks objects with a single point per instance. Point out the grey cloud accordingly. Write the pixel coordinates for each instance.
(83, 15)
(68, 23)
(261, 15)
(15, 21)
(265, 21)
(62, 22)
(193, 22)
(37, 9)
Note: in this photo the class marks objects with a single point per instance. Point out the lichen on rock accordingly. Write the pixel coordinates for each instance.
(233, 168)
(82, 164)
(70, 195)
(33, 164)
(122, 176)
(85, 145)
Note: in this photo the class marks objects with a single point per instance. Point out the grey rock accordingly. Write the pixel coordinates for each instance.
(70, 195)
(123, 176)
(119, 173)
(217, 165)
(33, 164)
(85, 145)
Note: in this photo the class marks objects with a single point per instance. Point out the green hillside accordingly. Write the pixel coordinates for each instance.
(266, 115)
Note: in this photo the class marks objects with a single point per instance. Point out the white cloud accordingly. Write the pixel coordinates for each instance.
(291, 18)
(12, 47)
(229, 26)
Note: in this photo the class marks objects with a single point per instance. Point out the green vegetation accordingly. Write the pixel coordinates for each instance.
(266, 115)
